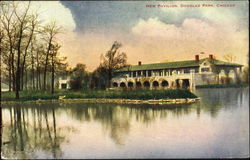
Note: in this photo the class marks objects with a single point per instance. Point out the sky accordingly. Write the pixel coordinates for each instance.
(149, 34)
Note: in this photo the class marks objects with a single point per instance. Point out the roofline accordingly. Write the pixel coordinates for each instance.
(235, 65)
(157, 69)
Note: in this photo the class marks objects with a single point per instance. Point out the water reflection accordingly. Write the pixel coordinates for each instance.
(31, 129)
(41, 130)
(213, 100)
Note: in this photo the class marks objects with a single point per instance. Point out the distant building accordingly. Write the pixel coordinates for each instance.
(179, 74)
(64, 82)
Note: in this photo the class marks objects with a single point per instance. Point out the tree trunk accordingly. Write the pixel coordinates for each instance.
(1, 120)
(53, 74)
(39, 79)
(21, 79)
(46, 64)
(13, 72)
(33, 73)
(25, 54)
(1, 77)
(26, 79)
(18, 74)
(10, 75)
(18, 61)
(37, 72)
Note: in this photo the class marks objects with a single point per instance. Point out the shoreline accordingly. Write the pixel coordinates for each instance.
(117, 101)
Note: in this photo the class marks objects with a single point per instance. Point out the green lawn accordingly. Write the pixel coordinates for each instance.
(135, 94)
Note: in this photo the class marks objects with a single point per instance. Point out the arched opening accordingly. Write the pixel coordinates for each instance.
(186, 84)
(146, 84)
(115, 84)
(130, 84)
(138, 84)
(164, 83)
(155, 84)
(122, 85)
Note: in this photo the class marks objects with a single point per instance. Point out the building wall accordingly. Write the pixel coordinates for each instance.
(64, 81)
(171, 81)
(176, 78)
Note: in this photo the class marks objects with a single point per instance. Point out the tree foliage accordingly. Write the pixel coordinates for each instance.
(113, 59)
(230, 57)
(27, 47)
(79, 77)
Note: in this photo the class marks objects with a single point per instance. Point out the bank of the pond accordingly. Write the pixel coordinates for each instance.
(222, 86)
(100, 96)
(116, 101)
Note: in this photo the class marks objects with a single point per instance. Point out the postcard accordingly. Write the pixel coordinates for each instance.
(124, 79)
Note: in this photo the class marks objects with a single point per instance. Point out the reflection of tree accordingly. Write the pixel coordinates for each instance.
(108, 115)
(26, 137)
(116, 119)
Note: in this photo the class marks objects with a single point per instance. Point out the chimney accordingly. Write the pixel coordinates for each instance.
(211, 56)
(139, 63)
(197, 58)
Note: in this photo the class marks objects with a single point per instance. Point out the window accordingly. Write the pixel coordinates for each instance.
(205, 69)
(144, 73)
(166, 73)
(139, 73)
(186, 70)
(160, 73)
(149, 73)
(134, 74)
(196, 70)
(130, 74)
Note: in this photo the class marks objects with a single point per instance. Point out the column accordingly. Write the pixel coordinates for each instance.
(181, 83)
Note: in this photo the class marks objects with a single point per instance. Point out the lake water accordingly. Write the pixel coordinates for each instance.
(217, 126)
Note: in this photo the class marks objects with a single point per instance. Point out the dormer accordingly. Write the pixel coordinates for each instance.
(205, 67)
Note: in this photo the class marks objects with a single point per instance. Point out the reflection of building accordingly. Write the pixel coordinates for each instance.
(64, 82)
(180, 74)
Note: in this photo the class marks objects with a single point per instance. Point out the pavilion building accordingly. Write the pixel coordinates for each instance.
(179, 74)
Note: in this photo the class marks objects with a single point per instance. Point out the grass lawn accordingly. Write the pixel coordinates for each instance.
(134, 94)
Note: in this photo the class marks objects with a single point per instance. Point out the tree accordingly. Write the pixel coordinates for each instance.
(9, 24)
(56, 63)
(79, 77)
(26, 46)
(1, 39)
(33, 24)
(1, 120)
(22, 19)
(99, 78)
(230, 57)
(50, 31)
(113, 59)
